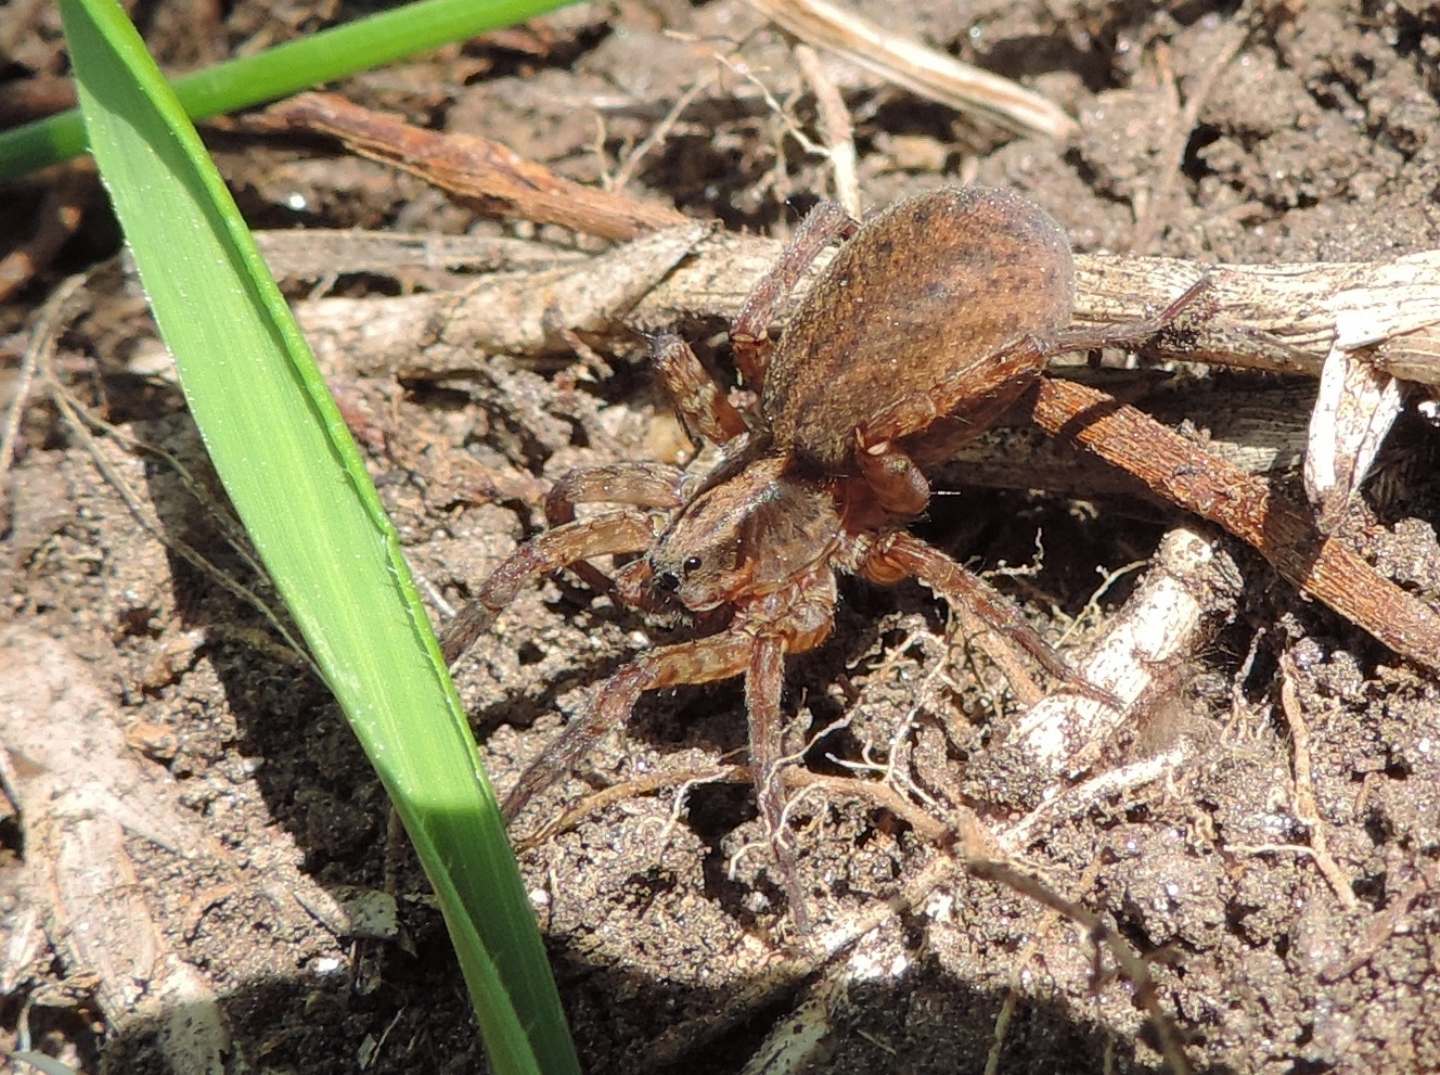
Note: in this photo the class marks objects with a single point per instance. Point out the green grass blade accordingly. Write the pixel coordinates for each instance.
(298, 483)
(321, 57)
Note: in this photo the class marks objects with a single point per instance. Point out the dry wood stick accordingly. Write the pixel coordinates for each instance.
(922, 70)
(1282, 318)
(491, 176)
(1276, 318)
(1283, 532)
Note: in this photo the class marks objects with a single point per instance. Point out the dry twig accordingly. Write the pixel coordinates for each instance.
(1130, 965)
(1152, 219)
(78, 420)
(1285, 533)
(835, 128)
(1383, 926)
(1162, 625)
(875, 792)
(493, 178)
(1356, 406)
(922, 70)
(81, 792)
(657, 135)
(1276, 318)
(49, 323)
(310, 253)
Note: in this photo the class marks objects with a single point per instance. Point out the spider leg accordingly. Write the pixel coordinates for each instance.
(702, 405)
(901, 555)
(972, 397)
(613, 532)
(764, 680)
(643, 485)
(894, 479)
(1130, 334)
(750, 334)
(968, 401)
(701, 661)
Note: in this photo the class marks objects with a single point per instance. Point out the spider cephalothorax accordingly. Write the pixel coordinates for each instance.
(933, 318)
(751, 535)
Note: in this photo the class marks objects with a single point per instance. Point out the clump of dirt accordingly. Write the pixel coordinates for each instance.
(1281, 884)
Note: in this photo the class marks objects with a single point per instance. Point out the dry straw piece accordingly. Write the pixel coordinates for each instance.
(918, 68)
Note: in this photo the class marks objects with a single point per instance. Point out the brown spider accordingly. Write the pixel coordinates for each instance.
(927, 324)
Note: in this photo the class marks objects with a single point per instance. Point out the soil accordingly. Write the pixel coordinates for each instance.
(1318, 142)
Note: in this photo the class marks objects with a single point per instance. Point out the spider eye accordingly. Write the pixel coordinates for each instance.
(692, 563)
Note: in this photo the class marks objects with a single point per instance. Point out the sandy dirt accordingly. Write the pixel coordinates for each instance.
(1305, 740)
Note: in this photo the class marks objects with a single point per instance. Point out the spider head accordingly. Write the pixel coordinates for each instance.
(698, 561)
(746, 536)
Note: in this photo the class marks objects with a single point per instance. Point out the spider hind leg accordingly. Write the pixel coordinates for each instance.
(749, 335)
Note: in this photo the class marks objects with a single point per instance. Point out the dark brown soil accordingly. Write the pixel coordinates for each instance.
(1320, 141)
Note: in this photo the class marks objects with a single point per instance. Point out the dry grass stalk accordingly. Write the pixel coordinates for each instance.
(918, 68)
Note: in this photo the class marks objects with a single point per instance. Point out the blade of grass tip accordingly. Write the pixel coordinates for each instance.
(296, 65)
(300, 486)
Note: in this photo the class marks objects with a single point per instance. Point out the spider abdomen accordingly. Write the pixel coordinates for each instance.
(926, 292)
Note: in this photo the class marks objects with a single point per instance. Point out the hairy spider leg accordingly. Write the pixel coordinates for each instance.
(901, 555)
(1128, 334)
(962, 406)
(750, 333)
(764, 682)
(893, 477)
(612, 532)
(704, 660)
(641, 485)
(972, 398)
(701, 402)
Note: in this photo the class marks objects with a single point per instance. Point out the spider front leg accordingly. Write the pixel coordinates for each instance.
(612, 532)
(642, 485)
(702, 661)
(764, 681)
(901, 555)
(750, 333)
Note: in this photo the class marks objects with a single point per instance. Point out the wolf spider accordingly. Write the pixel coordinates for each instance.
(931, 320)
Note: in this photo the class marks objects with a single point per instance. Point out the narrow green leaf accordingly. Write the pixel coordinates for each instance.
(296, 65)
(300, 486)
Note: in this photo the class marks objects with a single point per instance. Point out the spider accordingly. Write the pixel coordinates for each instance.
(933, 318)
